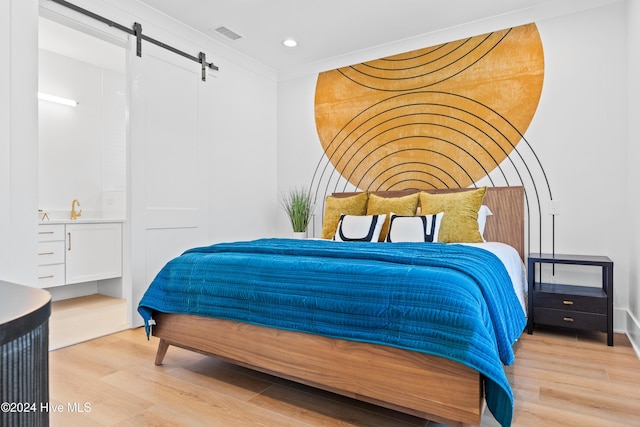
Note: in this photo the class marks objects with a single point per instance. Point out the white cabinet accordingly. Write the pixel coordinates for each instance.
(79, 252)
(51, 254)
(94, 252)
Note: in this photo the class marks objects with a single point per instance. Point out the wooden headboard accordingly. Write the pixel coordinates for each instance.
(506, 225)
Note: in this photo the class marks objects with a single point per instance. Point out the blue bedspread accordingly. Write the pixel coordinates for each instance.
(453, 301)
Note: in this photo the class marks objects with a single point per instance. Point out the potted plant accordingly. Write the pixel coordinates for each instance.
(298, 205)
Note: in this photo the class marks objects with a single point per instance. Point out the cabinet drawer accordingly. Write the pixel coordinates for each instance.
(570, 302)
(50, 275)
(50, 253)
(50, 232)
(570, 319)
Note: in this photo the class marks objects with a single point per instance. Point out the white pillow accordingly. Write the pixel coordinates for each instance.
(483, 213)
(422, 228)
(359, 228)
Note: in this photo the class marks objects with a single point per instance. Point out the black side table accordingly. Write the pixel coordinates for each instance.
(571, 305)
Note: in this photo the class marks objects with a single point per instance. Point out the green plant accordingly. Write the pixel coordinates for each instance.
(298, 205)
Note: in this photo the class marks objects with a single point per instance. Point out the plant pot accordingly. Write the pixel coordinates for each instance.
(299, 234)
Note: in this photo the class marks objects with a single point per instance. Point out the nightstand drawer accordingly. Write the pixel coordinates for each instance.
(570, 319)
(571, 302)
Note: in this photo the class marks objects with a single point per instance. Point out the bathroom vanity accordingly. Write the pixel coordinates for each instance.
(77, 251)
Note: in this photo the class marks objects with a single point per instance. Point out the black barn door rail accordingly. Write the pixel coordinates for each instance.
(137, 32)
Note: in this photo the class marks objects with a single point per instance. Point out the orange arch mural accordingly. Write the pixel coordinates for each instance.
(441, 117)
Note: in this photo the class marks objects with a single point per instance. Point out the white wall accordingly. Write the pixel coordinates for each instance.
(5, 135)
(18, 140)
(243, 160)
(299, 148)
(633, 146)
(579, 130)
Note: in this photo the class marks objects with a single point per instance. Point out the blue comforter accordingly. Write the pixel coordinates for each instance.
(453, 301)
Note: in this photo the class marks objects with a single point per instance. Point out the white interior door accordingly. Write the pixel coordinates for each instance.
(168, 158)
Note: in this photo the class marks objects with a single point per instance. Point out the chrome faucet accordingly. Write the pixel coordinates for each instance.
(74, 214)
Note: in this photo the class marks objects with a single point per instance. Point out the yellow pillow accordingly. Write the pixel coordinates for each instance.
(336, 206)
(405, 205)
(460, 221)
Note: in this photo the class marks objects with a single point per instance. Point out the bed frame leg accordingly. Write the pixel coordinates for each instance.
(162, 351)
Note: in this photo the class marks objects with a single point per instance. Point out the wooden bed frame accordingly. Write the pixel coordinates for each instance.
(423, 385)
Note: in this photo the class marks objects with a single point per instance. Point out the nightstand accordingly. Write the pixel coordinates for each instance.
(571, 305)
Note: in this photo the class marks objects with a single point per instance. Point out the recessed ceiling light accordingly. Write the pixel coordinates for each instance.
(290, 43)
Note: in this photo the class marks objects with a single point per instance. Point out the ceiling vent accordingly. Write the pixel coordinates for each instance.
(231, 35)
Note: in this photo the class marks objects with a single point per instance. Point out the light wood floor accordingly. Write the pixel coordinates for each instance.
(559, 379)
(75, 320)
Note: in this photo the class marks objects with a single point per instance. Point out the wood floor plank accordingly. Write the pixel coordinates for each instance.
(559, 378)
(199, 404)
(223, 378)
(624, 374)
(307, 405)
(595, 403)
(157, 416)
(106, 315)
(530, 414)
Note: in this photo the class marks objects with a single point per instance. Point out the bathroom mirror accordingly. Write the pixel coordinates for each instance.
(82, 144)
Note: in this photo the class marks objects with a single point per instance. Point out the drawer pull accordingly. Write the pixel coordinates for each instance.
(45, 232)
(46, 253)
(50, 276)
(567, 319)
(567, 302)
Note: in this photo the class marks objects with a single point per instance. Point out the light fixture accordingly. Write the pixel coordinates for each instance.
(57, 99)
(290, 43)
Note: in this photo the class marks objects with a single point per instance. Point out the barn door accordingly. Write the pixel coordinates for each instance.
(168, 162)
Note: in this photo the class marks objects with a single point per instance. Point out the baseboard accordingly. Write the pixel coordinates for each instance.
(633, 332)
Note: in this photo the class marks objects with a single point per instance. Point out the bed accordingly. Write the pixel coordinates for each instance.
(422, 372)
